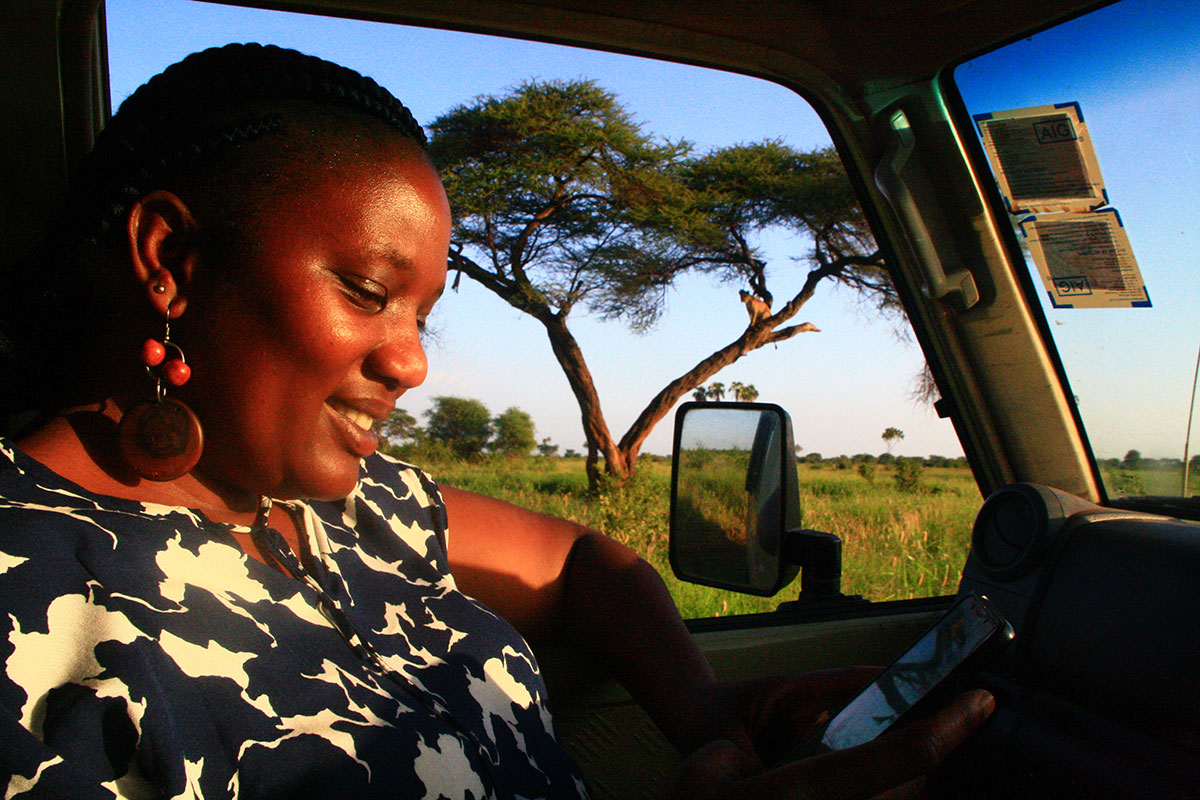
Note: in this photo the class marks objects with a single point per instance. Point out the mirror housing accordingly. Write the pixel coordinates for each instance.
(735, 505)
(734, 496)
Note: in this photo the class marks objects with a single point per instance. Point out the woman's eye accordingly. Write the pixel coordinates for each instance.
(364, 292)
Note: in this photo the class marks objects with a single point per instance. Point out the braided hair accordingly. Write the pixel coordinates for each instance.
(213, 128)
(205, 106)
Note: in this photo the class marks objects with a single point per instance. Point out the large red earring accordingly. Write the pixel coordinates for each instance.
(162, 439)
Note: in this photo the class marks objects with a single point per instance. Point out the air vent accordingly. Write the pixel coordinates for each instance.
(1012, 529)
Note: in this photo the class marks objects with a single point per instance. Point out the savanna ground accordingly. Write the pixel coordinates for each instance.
(896, 544)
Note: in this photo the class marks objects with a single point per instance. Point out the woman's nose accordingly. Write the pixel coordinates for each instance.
(400, 359)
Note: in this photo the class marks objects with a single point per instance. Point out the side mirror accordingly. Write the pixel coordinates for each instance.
(735, 505)
(734, 496)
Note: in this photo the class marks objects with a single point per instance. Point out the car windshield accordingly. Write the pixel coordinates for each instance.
(1110, 243)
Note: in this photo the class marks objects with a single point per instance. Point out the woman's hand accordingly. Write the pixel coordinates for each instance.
(767, 717)
(894, 763)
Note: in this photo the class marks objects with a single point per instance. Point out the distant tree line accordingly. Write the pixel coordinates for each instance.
(1134, 460)
(883, 460)
(462, 427)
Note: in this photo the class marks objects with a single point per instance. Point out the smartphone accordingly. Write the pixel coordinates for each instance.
(927, 674)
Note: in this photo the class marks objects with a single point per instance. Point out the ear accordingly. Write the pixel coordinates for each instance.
(162, 236)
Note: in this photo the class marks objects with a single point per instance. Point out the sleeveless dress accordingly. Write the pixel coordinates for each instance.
(146, 656)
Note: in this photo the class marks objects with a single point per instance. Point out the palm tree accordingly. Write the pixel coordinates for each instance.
(749, 393)
(700, 394)
(716, 391)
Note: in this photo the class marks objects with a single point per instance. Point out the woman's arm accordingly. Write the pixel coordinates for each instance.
(554, 579)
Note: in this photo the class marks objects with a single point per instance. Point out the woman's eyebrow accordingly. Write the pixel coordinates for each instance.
(398, 260)
(401, 263)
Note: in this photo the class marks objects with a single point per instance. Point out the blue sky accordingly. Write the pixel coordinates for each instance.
(843, 386)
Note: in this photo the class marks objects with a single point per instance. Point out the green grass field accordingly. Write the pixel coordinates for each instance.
(896, 544)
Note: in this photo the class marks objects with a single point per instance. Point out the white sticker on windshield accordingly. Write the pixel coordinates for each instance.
(1043, 158)
(1085, 260)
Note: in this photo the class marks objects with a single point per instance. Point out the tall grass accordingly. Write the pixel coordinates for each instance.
(896, 544)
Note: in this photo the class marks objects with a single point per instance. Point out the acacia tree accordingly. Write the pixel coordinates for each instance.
(514, 434)
(561, 202)
(891, 436)
(461, 423)
(400, 426)
(735, 193)
(552, 188)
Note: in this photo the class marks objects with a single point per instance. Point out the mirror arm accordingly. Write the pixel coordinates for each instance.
(819, 555)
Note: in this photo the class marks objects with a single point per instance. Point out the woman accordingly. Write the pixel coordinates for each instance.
(213, 585)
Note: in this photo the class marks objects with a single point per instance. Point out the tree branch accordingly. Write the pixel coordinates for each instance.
(783, 334)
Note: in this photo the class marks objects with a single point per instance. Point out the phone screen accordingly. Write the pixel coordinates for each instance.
(967, 628)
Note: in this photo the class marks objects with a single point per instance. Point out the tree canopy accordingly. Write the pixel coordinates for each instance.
(514, 433)
(400, 426)
(558, 187)
(463, 424)
(563, 201)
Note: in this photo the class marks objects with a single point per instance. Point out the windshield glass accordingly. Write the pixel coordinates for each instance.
(1124, 80)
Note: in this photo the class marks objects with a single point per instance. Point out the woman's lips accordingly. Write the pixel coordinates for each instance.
(356, 428)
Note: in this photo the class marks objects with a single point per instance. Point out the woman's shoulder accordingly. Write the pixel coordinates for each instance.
(27, 485)
(49, 523)
(45, 526)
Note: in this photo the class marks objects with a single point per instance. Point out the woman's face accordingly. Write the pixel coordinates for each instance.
(312, 336)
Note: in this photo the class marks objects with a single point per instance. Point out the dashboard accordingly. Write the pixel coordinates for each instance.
(1098, 696)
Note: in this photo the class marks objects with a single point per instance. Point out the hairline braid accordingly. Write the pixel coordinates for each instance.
(162, 129)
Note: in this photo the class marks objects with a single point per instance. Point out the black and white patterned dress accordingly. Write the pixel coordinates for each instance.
(146, 656)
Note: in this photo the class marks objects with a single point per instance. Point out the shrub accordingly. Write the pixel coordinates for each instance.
(908, 474)
(461, 423)
(513, 433)
(1126, 483)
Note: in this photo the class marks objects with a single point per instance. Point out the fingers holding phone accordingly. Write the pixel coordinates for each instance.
(890, 766)
(941, 662)
(892, 732)
(901, 758)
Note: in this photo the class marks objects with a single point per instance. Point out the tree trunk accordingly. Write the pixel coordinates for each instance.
(665, 400)
(755, 336)
(620, 460)
(520, 294)
(595, 429)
